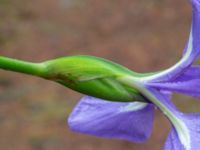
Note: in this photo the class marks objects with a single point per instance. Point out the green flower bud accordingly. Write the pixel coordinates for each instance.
(93, 76)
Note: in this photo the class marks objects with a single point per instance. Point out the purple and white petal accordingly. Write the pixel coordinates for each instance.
(129, 121)
(192, 121)
(187, 87)
(185, 134)
(193, 72)
(192, 51)
(188, 83)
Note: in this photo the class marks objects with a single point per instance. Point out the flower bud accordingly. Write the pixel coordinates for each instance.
(93, 76)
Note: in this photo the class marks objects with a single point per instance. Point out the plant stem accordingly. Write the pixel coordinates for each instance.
(36, 69)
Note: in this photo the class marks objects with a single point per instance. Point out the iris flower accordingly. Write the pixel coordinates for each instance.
(121, 103)
(133, 121)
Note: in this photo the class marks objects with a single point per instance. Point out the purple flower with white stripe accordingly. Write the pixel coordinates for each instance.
(121, 102)
(133, 121)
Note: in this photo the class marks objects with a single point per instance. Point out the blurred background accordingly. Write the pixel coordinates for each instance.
(143, 35)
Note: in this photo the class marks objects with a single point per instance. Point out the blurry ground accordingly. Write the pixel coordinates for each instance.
(144, 35)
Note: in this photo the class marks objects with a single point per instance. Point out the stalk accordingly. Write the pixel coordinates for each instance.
(35, 69)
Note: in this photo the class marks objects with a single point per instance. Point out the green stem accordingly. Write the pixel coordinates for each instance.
(36, 69)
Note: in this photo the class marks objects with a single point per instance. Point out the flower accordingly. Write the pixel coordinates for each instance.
(123, 101)
(133, 121)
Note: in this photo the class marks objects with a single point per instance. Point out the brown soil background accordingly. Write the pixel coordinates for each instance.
(144, 35)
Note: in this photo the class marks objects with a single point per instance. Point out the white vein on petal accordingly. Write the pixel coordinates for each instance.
(135, 106)
(183, 133)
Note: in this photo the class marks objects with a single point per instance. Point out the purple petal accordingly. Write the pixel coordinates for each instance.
(129, 121)
(168, 94)
(189, 87)
(194, 39)
(192, 50)
(192, 122)
(185, 133)
(188, 83)
(193, 72)
(195, 27)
